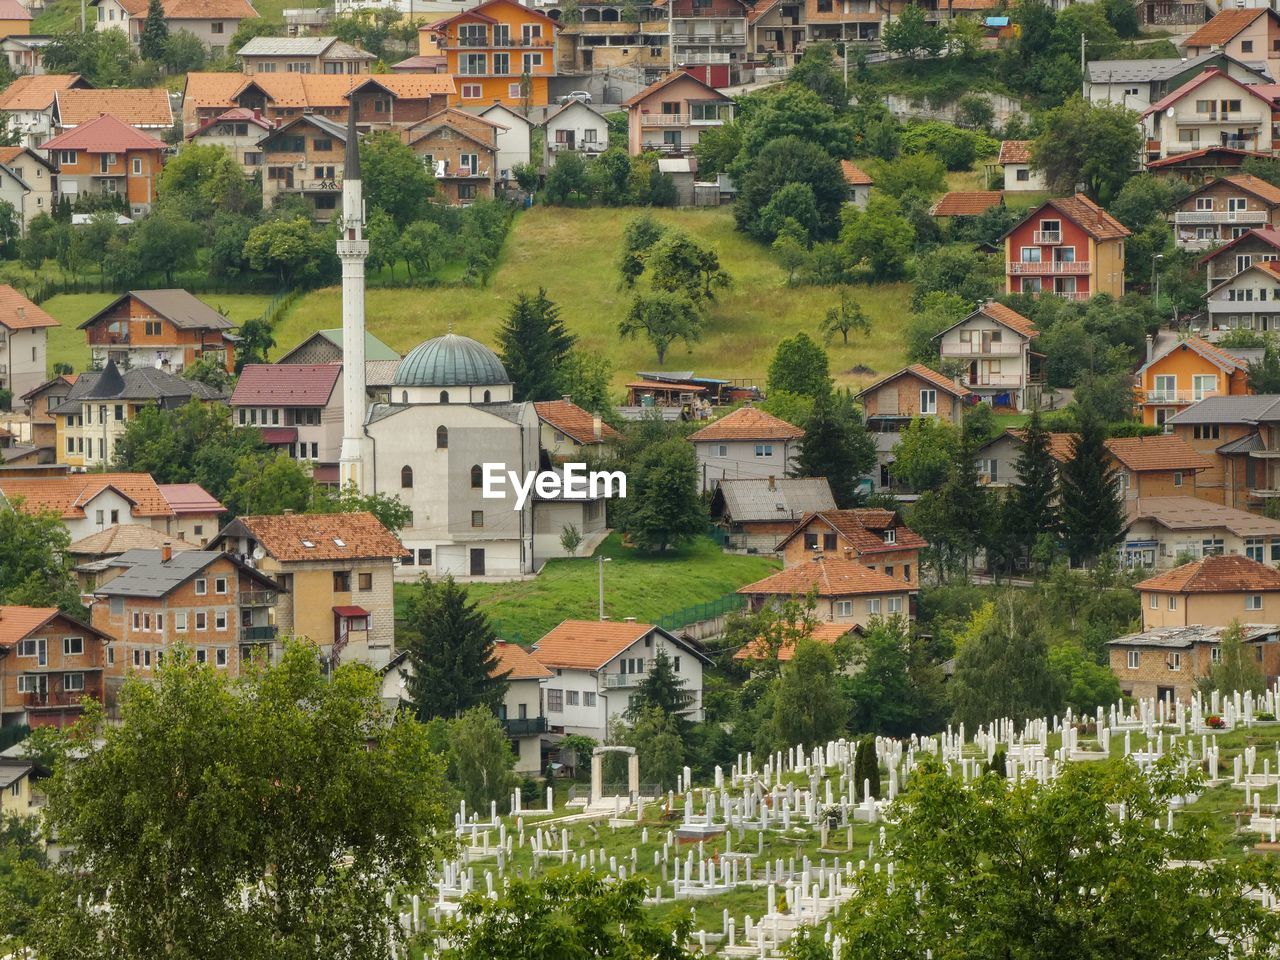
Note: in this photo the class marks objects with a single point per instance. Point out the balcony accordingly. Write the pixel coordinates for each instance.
(1178, 396)
(613, 681)
(1266, 308)
(1069, 267)
(524, 726)
(482, 43)
(709, 14)
(1220, 216)
(710, 39)
(258, 598)
(107, 338)
(701, 57)
(664, 120)
(1047, 237)
(1235, 119)
(463, 173)
(988, 348)
(259, 634)
(318, 186)
(995, 380)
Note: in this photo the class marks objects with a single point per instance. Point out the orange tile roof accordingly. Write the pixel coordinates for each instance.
(966, 203)
(831, 576)
(36, 93)
(574, 422)
(285, 537)
(119, 537)
(863, 528)
(518, 663)
(138, 108)
(587, 644)
(1015, 151)
(17, 622)
(827, 633)
(1223, 27)
(659, 84)
(104, 134)
(1229, 573)
(854, 175)
(747, 423)
(920, 371)
(1165, 452)
(1009, 317)
(195, 9)
(309, 89)
(19, 313)
(1062, 446)
(1088, 216)
(67, 496)
(1257, 186)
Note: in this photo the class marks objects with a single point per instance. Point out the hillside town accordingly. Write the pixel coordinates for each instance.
(485, 479)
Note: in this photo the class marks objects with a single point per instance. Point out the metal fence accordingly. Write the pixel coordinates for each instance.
(11, 735)
(702, 611)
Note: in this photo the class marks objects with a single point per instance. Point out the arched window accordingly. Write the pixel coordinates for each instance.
(444, 396)
(406, 477)
(477, 477)
(404, 396)
(487, 396)
(442, 438)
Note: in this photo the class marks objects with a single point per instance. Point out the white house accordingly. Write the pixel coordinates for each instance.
(995, 343)
(1250, 300)
(214, 22)
(24, 335)
(1214, 109)
(1015, 159)
(575, 127)
(597, 665)
(515, 141)
(746, 444)
(26, 181)
(29, 101)
(1137, 84)
(239, 130)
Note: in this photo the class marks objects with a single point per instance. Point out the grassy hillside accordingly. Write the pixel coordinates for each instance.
(573, 254)
(644, 586)
(67, 344)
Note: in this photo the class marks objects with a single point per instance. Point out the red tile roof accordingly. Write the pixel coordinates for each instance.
(67, 496)
(864, 529)
(587, 644)
(854, 175)
(747, 423)
(13, 10)
(1269, 235)
(187, 498)
(920, 371)
(518, 663)
(1088, 216)
(1223, 27)
(303, 90)
(17, 622)
(1165, 452)
(286, 384)
(574, 422)
(1009, 317)
(827, 633)
(830, 577)
(19, 313)
(333, 536)
(1178, 159)
(1215, 574)
(1171, 98)
(1256, 185)
(659, 84)
(1015, 151)
(105, 134)
(195, 9)
(966, 203)
(147, 107)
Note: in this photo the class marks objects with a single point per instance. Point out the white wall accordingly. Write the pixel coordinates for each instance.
(740, 461)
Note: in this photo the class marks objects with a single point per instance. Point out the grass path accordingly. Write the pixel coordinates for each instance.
(573, 254)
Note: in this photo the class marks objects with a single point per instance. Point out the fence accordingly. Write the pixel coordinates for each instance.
(39, 290)
(702, 611)
(11, 735)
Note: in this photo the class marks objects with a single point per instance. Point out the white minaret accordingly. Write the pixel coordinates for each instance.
(352, 251)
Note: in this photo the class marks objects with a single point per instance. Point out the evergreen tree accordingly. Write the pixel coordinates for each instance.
(451, 651)
(836, 445)
(1031, 510)
(533, 342)
(866, 768)
(956, 517)
(1091, 511)
(155, 32)
(661, 689)
(1237, 669)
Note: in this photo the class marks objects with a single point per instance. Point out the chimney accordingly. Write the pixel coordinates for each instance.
(1151, 347)
(628, 619)
(567, 398)
(288, 511)
(748, 402)
(166, 552)
(848, 553)
(596, 426)
(22, 312)
(773, 483)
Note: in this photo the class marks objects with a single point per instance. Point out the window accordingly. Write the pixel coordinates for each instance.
(220, 620)
(220, 657)
(811, 541)
(473, 64)
(442, 438)
(895, 604)
(406, 477)
(1203, 385)
(588, 698)
(323, 145)
(1253, 601)
(529, 33)
(1173, 603)
(424, 556)
(365, 581)
(764, 450)
(1246, 46)
(32, 648)
(873, 606)
(1022, 175)
(477, 518)
(180, 621)
(1177, 478)
(891, 535)
(1134, 656)
(215, 27)
(532, 62)
(844, 608)
(137, 166)
(137, 657)
(928, 401)
(73, 682)
(471, 91)
(67, 157)
(342, 581)
(501, 63)
(119, 411)
(202, 620)
(220, 585)
(571, 697)
(477, 477)
(1204, 204)
(555, 701)
(1175, 661)
(202, 655)
(1031, 255)
(202, 587)
(72, 646)
(1255, 549)
(1154, 603)
(137, 620)
(1206, 431)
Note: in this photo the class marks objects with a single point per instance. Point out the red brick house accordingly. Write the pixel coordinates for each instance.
(1069, 247)
(48, 663)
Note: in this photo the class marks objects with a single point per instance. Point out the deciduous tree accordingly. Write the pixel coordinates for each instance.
(836, 446)
(663, 507)
(1004, 670)
(808, 708)
(482, 760)
(1236, 670)
(799, 366)
(663, 318)
(1093, 144)
(394, 178)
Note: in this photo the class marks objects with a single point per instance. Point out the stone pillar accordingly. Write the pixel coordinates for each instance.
(633, 776)
(597, 777)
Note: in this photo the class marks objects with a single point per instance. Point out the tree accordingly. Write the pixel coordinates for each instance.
(1264, 372)
(1236, 669)
(663, 318)
(916, 173)
(584, 377)
(1004, 670)
(955, 147)
(394, 178)
(35, 567)
(912, 36)
(184, 52)
(384, 242)
(103, 57)
(388, 509)
(209, 370)
(567, 183)
(533, 343)
(717, 148)
(638, 238)
(659, 744)
(956, 517)
(155, 31)
(836, 445)
(482, 760)
(662, 689)
(165, 243)
(452, 652)
(294, 249)
(1091, 511)
(896, 691)
(781, 161)
(879, 237)
(794, 208)
(1031, 509)
(968, 274)
(1146, 199)
(848, 316)
(1084, 683)
(866, 769)
(663, 508)
(790, 251)
(566, 913)
(807, 706)
(799, 366)
(678, 264)
(268, 484)
(256, 340)
(937, 312)
(1087, 143)
(261, 815)
(10, 230)
(924, 453)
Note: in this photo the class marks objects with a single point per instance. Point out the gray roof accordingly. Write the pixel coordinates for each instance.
(179, 307)
(11, 771)
(668, 414)
(451, 361)
(303, 47)
(380, 373)
(374, 349)
(148, 576)
(137, 383)
(1181, 638)
(1155, 71)
(1230, 409)
(746, 501)
(1246, 444)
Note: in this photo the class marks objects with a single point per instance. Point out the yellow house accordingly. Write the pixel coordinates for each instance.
(15, 19)
(15, 788)
(1213, 591)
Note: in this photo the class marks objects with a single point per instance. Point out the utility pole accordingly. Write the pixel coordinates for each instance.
(1084, 84)
(600, 562)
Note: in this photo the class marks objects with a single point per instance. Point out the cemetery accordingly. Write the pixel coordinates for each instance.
(777, 842)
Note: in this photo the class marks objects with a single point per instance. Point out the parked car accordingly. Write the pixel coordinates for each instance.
(572, 95)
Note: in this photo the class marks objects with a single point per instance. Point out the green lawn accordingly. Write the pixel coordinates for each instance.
(59, 16)
(573, 254)
(67, 344)
(644, 586)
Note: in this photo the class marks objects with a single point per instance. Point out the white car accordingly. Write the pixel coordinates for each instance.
(580, 95)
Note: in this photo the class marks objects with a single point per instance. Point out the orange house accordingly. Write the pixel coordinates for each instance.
(167, 329)
(1191, 371)
(491, 49)
(1069, 247)
(107, 155)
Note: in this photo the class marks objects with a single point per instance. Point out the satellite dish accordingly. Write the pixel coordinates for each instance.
(1169, 112)
(258, 553)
